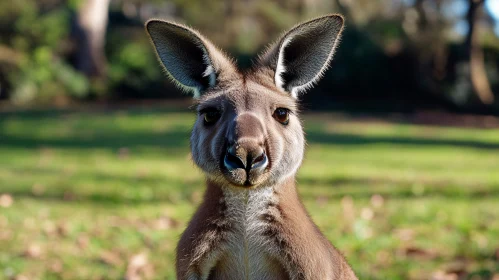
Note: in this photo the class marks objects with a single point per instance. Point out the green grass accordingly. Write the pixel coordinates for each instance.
(93, 189)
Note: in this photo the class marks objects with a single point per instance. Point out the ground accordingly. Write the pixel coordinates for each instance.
(105, 194)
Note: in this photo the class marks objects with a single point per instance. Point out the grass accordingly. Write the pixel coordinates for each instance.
(105, 195)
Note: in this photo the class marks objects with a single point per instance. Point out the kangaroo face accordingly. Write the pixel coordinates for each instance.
(247, 132)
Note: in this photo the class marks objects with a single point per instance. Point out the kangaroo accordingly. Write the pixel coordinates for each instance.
(249, 142)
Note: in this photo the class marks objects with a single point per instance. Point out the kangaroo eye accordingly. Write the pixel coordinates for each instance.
(281, 115)
(211, 117)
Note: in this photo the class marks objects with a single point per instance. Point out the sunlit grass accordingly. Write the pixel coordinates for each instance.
(91, 190)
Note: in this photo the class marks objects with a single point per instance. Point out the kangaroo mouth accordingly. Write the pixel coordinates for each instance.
(241, 178)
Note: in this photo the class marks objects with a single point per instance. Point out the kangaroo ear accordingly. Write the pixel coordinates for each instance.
(302, 55)
(192, 61)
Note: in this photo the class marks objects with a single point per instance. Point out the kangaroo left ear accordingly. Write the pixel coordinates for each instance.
(189, 59)
(302, 55)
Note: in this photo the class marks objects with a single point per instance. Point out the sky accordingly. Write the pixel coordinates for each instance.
(493, 8)
(459, 9)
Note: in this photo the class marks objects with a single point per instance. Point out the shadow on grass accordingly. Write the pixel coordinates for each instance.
(100, 198)
(140, 194)
(400, 189)
(176, 137)
(172, 139)
(117, 198)
(38, 114)
(104, 188)
(319, 137)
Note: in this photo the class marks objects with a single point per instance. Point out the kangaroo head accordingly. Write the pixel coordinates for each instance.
(248, 132)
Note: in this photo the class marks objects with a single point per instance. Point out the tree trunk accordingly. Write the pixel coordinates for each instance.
(90, 32)
(478, 75)
(423, 18)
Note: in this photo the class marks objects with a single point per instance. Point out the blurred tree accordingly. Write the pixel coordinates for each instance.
(478, 75)
(33, 52)
(394, 54)
(426, 27)
(90, 32)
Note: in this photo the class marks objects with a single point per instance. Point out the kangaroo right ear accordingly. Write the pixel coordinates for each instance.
(192, 61)
(301, 56)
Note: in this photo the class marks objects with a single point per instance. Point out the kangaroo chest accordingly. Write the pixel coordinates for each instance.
(248, 252)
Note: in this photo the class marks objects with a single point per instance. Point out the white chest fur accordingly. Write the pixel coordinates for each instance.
(248, 254)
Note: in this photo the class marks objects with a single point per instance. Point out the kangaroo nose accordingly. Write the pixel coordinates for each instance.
(252, 159)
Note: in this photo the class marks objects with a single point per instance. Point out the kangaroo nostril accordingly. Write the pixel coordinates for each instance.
(260, 162)
(258, 159)
(232, 161)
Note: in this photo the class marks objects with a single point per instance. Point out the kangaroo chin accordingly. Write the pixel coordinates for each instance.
(249, 141)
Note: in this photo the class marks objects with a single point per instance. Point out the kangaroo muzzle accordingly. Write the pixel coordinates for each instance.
(245, 158)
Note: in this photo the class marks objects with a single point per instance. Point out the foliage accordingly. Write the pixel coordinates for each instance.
(106, 194)
(395, 54)
(133, 68)
(38, 38)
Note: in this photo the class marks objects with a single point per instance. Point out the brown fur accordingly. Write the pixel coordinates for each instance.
(304, 251)
(251, 223)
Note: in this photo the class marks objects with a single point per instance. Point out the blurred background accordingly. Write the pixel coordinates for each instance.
(401, 171)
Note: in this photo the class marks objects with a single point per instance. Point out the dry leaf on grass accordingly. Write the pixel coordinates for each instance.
(56, 266)
(82, 241)
(164, 223)
(416, 252)
(138, 267)
(21, 277)
(6, 200)
(404, 234)
(453, 271)
(49, 227)
(62, 229)
(348, 210)
(377, 201)
(34, 251)
(367, 213)
(110, 258)
(384, 258)
(442, 275)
